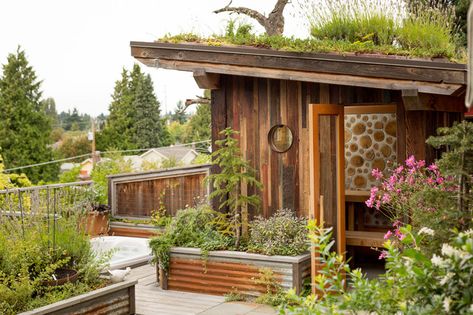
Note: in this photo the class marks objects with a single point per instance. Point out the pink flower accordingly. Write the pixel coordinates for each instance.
(369, 202)
(388, 234)
(430, 181)
(433, 167)
(399, 169)
(383, 255)
(402, 236)
(411, 180)
(386, 198)
(377, 174)
(397, 224)
(420, 163)
(440, 180)
(411, 161)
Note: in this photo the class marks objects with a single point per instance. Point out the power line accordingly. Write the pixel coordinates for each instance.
(89, 154)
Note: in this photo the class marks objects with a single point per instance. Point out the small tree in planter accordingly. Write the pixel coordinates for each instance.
(235, 173)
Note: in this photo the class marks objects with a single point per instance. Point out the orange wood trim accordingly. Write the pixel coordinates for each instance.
(316, 110)
(370, 109)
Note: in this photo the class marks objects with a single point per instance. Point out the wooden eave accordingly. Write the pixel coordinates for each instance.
(384, 72)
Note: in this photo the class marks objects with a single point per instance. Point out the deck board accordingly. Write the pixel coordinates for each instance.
(151, 300)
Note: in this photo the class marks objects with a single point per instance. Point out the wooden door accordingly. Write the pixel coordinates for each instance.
(327, 181)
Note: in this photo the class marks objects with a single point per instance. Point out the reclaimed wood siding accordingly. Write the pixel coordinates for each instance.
(253, 105)
(140, 198)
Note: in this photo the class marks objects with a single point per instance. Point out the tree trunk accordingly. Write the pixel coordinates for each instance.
(273, 24)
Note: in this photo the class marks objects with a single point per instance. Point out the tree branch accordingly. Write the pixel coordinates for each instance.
(241, 10)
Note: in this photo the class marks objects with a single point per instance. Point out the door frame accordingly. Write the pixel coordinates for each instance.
(316, 110)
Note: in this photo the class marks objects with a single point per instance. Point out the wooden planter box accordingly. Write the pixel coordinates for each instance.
(117, 299)
(97, 223)
(133, 230)
(224, 271)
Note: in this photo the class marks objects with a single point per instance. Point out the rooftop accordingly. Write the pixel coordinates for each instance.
(373, 70)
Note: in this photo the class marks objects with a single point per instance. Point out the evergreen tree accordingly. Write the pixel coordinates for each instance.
(134, 121)
(149, 130)
(25, 128)
(199, 125)
(179, 114)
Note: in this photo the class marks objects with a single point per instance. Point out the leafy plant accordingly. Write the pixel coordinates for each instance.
(227, 184)
(274, 294)
(191, 227)
(234, 296)
(282, 234)
(113, 165)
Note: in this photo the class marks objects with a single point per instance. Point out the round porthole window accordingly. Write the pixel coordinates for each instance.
(280, 138)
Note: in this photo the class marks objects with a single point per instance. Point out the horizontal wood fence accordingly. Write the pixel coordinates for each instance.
(139, 194)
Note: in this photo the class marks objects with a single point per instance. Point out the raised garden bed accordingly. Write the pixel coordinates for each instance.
(221, 272)
(117, 299)
(133, 230)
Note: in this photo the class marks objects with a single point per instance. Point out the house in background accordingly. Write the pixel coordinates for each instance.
(181, 155)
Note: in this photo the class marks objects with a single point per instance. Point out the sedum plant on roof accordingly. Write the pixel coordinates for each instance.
(385, 27)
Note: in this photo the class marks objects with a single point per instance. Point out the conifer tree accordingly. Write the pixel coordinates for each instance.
(134, 121)
(25, 126)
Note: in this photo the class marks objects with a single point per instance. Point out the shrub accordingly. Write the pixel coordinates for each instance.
(199, 227)
(282, 234)
(32, 248)
(414, 282)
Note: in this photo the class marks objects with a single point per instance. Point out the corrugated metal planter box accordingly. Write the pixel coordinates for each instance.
(133, 230)
(117, 299)
(224, 271)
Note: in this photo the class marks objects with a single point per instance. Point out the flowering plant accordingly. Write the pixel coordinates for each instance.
(418, 194)
(414, 283)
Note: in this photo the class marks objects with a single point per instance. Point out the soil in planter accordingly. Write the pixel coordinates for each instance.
(62, 276)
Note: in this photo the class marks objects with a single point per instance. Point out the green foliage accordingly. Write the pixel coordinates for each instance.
(26, 127)
(73, 121)
(202, 158)
(71, 175)
(191, 227)
(32, 248)
(113, 165)
(274, 294)
(353, 21)
(356, 26)
(227, 185)
(170, 162)
(74, 144)
(134, 121)
(198, 127)
(234, 296)
(429, 28)
(8, 181)
(282, 234)
(457, 161)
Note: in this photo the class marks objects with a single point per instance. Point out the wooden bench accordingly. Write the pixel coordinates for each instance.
(364, 238)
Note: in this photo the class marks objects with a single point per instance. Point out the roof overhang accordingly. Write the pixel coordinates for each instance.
(383, 72)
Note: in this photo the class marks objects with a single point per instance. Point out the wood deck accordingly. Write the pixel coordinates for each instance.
(151, 300)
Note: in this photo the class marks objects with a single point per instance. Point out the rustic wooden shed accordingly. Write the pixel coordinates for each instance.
(345, 115)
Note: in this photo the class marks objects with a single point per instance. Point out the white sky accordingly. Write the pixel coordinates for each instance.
(78, 48)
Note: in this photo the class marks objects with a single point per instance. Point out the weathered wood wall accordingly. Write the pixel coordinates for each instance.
(253, 105)
(137, 195)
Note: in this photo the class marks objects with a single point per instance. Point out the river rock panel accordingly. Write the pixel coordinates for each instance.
(370, 142)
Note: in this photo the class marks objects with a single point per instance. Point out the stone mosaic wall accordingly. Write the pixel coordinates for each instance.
(370, 141)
